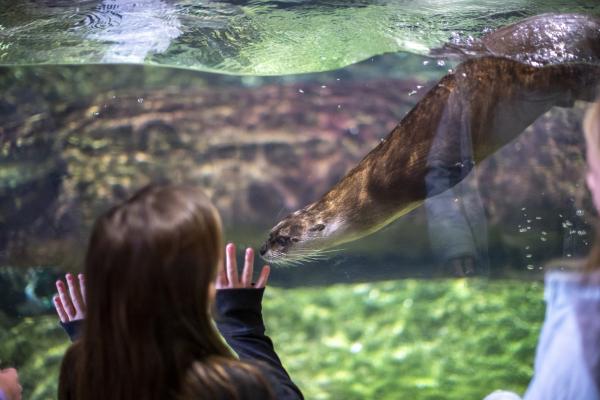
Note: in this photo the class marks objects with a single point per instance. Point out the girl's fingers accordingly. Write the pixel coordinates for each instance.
(248, 268)
(264, 277)
(65, 300)
(60, 310)
(231, 264)
(75, 295)
(82, 288)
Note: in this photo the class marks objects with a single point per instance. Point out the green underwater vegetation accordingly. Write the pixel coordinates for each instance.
(435, 339)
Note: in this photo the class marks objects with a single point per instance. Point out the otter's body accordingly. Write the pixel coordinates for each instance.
(519, 72)
(486, 103)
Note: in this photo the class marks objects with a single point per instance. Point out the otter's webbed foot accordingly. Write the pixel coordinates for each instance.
(462, 266)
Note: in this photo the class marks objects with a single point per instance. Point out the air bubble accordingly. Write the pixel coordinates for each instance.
(530, 267)
(579, 213)
(140, 100)
(300, 91)
(528, 255)
(412, 92)
(441, 63)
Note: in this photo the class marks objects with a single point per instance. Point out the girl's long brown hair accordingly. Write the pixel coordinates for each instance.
(149, 268)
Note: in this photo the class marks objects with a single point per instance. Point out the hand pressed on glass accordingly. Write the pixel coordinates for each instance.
(9, 384)
(227, 275)
(70, 303)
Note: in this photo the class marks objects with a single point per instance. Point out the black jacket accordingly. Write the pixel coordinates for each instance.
(239, 319)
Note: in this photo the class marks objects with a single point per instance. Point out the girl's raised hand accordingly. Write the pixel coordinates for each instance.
(70, 300)
(228, 277)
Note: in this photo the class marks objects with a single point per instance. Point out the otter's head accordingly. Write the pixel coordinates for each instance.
(301, 236)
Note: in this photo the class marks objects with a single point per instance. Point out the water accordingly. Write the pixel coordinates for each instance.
(249, 37)
(277, 101)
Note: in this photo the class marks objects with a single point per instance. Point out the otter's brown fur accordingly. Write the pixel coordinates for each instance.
(491, 100)
(539, 40)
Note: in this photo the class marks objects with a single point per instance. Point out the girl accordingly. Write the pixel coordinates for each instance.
(148, 333)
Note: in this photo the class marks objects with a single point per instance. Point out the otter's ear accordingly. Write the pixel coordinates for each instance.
(318, 227)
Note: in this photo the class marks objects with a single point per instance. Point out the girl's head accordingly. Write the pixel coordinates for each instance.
(151, 261)
(149, 270)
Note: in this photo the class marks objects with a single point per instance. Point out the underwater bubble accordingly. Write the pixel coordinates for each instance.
(339, 106)
(523, 209)
(543, 239)
(140, 100)
(441, 63)
(425, 62)
(528, 221)
(544, 233)
(412, 92)
(567, 224)
(323, 86)
(529, 228)
(300, 91)
(538, 218)
(523, 230)
(579, 213)
(530, 267)
(528, 255)
(356, 347)
(582, 232)
(419, 87)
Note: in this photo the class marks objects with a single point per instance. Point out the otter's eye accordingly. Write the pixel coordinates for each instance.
(282, 240)
(318, 227)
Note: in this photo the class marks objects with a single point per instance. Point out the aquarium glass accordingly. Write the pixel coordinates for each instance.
(266, 105)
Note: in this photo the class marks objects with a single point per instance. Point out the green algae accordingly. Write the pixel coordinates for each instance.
(440, 339)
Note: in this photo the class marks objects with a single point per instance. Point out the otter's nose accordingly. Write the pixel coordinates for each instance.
(263, 249)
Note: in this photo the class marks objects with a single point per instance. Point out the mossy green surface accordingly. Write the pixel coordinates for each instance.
(440, 339)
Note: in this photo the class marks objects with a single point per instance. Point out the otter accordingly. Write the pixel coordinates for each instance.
(538, 40)
(489, 100)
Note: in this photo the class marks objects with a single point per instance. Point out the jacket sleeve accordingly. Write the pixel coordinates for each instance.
(73, 328)
(239, 319)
